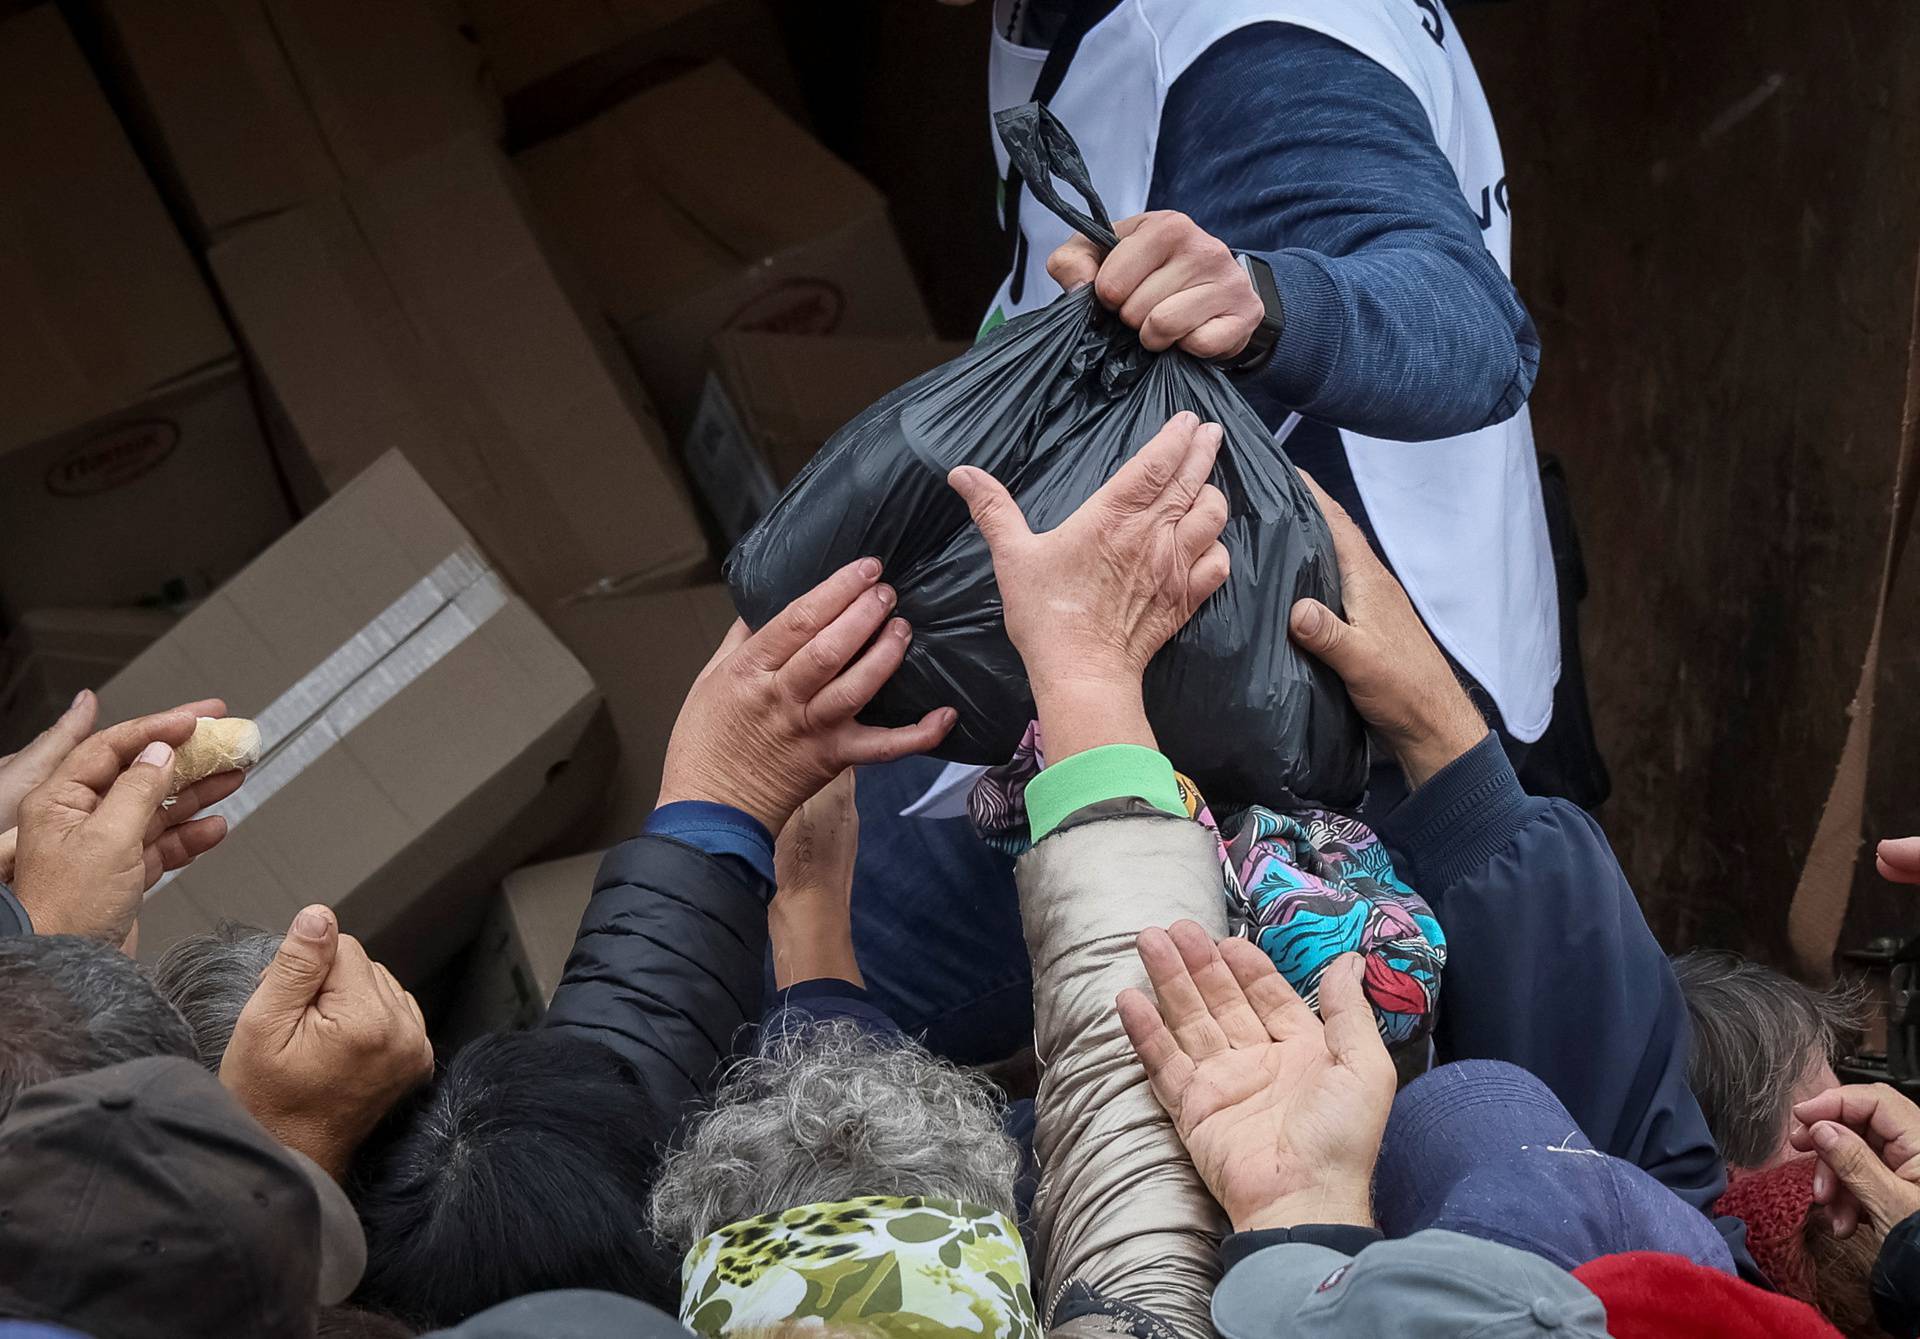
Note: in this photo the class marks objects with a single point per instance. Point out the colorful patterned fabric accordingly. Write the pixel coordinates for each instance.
(911, 1268)
(1306, 886)
(998, 802)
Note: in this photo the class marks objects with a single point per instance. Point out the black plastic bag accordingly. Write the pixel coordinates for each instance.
(1052, 404)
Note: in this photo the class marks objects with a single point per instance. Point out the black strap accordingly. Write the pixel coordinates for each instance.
(1081, 20)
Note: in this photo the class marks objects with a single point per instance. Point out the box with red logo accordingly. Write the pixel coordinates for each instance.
(132, 465)
(698, 206)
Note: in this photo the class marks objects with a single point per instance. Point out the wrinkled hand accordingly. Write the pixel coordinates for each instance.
(770, 721)
(1091, 602)
(1394, 672)
(326, 1045)
(1898, 859)
(811, 919)
(21, 772)
(1169, 279)
(1868, 1139)
(1281, 1111)
(94, 836)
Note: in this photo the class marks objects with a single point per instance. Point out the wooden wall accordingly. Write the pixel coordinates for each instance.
(1717, 209)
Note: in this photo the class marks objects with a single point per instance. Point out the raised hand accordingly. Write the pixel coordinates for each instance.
(1868, 1139)
(327, 1043)
(20, 772)
(1394, 672)
(1090, 602)
(1280, 1110)
(94, 836)
(770, 721)
(1898, 859)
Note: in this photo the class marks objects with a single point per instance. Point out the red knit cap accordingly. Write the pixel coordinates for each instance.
(1774, 1205)
(1649, 1295)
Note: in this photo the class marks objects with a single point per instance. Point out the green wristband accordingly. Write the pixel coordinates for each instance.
(1111, 772)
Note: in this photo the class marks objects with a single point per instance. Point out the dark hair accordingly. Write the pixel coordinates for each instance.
(70, 1005)
(526, 1166)
(1756, 1033)
(209, 978)
(352, 1322)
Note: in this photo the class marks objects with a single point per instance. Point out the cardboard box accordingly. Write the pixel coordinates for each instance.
(157, 503)
(697, 207)
(415, 715)
(252, 106)
(561, 61)
(100, 303)
(772, 400)
(52, 654)
(418, 311)
(516, 960)
(645, 651)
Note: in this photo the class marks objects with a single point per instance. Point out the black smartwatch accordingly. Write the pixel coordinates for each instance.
(1267, 334)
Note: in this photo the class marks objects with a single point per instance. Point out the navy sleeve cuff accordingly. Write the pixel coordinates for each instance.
(718, 829)
(1460, 819)
(823, 1000)
(1315, 318)
(1346, 1238)
(14, 921)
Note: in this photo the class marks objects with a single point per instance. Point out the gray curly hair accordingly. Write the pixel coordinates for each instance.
(832, 1112)
(209, 977)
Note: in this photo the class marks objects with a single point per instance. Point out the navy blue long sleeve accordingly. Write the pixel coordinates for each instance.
(1287, 144)
(1551, 965)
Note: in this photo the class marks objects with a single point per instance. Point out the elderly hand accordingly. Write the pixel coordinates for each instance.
(1088, 604)
(770, 721)
(1898, 859)
(811, 919)
(97, 833)
(1169, 279)
(326, 1045)
(1868, 1139)
(1398, 679)
(21, 772)
(1281, 1111)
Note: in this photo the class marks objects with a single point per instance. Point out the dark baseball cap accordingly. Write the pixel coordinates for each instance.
(1483, 1148)
(142, 1200)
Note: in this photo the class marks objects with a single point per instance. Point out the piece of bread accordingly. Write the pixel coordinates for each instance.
(219, 744)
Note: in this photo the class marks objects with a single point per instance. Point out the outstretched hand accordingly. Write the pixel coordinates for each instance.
(770, 721)
(1090, 602)
(1399, 681)
(20, 772)
(1868, 1139)
(1898, 859)
(1281, 1111)
(97, 833)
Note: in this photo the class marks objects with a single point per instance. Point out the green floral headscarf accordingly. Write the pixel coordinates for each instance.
(912, 1268)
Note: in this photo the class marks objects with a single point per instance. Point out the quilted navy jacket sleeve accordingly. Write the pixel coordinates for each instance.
(668, 967)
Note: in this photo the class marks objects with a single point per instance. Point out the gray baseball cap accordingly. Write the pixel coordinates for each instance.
(1432, 1285)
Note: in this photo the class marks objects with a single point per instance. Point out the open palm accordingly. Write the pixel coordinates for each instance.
(1281, 1111)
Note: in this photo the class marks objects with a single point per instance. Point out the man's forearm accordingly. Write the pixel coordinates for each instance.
(1289, 145)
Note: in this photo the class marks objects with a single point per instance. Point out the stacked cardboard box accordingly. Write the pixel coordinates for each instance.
(417, 310)
(521, 950)
(772, 400)
(131, 464)
(697, 207)
(52, 654)
(646, 650)
(253, 106)
(421, 727)
(561, 61)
